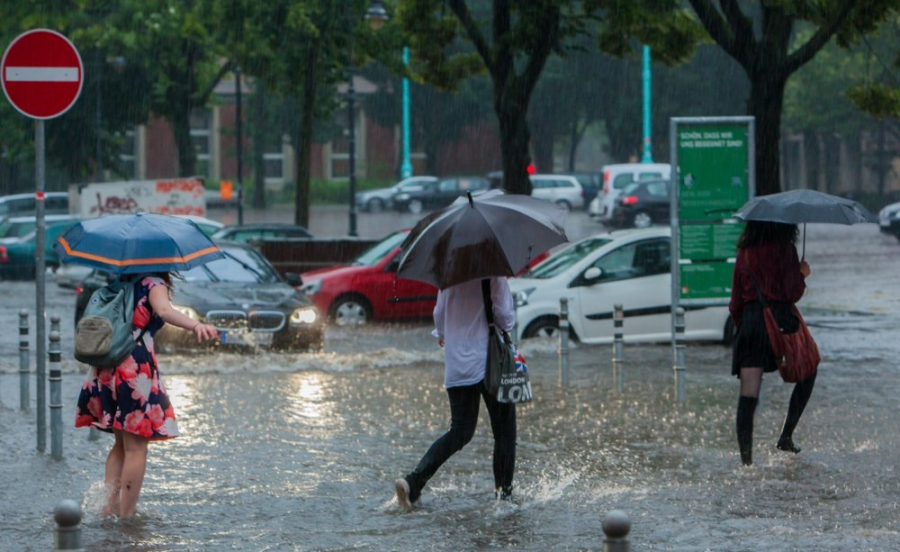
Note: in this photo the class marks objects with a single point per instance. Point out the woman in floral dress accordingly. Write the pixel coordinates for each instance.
(130, 400)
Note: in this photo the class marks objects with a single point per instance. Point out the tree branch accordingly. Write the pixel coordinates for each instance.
(806, 52)
(542, 50)
(718, 29)
(741, 26)
(461, 10)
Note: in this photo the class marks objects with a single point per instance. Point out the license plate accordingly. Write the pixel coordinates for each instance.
(247, 339)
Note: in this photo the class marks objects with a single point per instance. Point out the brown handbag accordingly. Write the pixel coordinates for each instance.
(796, 353)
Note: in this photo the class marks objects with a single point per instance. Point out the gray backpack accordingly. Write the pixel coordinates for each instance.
(103, 336)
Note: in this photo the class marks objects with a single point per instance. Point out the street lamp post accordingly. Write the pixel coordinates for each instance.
(376, 16)
(406, 169)
(240, 149)
(648, 156)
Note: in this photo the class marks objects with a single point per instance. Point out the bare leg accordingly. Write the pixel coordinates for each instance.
(113, 475)
(132, 472)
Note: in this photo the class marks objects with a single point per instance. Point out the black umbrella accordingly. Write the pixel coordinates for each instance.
(492, 234)
(802, 206)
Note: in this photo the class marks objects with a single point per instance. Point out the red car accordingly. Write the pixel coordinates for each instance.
(368, 289)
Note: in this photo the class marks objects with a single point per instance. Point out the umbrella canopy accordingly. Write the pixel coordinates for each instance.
(492, 234)
(802, 206)
(137, 243)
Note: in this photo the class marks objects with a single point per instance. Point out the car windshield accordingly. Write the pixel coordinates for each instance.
(240, 265)
(10, 229)
(630, 189)
(377, 252)
(561, 261)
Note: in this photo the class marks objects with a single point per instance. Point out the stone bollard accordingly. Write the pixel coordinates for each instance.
(67, 515)
(616, 527)
(618, 346)
(53, 352)
(24, 362)
(564, 342)
(679, 366)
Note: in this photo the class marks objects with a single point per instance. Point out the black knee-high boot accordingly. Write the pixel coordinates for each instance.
(745, 411)
(799, 398)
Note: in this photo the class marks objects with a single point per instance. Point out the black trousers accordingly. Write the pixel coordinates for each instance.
(464, 404)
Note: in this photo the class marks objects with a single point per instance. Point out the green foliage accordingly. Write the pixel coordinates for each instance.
(880, 100)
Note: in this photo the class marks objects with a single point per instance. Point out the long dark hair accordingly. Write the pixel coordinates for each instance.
(759, 231)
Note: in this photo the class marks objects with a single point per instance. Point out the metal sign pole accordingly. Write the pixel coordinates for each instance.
(39, 280)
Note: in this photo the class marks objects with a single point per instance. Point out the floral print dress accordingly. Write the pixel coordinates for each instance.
(131, 397)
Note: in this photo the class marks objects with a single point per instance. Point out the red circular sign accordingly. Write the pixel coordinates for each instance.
(42, 74)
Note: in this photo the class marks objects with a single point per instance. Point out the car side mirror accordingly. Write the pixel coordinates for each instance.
(592, 273)
(293, 279)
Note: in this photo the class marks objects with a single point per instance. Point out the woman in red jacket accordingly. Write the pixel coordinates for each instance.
(767, 263)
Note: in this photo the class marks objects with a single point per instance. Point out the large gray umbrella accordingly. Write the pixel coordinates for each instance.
(492, 234)
(803, 206)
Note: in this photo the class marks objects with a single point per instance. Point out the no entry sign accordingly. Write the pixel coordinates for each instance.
(42, 74)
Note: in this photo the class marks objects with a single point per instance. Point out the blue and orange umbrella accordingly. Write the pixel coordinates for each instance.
(137, 243)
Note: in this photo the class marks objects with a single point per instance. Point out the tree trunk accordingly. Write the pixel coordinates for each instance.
(259, 145)
(811, 150)
(543, 145)
(514, 137)
(304, 152)
(187, 157)
(765, 105)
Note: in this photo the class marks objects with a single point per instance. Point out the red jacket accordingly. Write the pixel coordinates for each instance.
(777, 271)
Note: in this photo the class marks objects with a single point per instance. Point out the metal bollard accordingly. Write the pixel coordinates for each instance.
(24, 362)
(679, 367)
(53, 352)
(67, 515)
(564, 341)
(618, 346)
(616, 527)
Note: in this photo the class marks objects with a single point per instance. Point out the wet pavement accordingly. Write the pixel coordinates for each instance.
(291, 452)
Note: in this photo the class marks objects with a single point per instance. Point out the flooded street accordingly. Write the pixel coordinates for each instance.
(298, 452)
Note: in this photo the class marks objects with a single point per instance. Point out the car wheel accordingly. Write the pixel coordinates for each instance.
(564, 204)
(642, 220)
(375, 205)
(545, 326)
(415, 207)
(351, 310)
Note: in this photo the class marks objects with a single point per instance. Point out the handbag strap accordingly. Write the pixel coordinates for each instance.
(488, 303)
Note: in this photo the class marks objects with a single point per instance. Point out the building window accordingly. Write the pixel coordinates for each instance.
(201, 136)
(274, 162)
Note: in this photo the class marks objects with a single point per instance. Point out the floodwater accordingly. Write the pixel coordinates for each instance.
(299, 452)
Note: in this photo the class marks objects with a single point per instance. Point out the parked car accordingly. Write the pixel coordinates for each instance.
(562, 190)
(55, 203)
(434, 195)
(591, 183)
(368, 289)
(375, 201)
(208, 226)
(243, 297)
(642, 204)
(628, 268)
(13, 228)
(889, 220)
(247, 232)
(616, 178)
(17, 255)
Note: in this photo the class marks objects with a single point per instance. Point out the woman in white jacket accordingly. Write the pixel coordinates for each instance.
(462, 329)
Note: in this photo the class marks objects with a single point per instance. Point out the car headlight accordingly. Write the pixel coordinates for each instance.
(312, 288)
(401, 197)
(305, 315)
(187, 311)
(521, 297)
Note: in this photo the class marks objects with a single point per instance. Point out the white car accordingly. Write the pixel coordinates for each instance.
(628, 268)
(559, 189)
(616, 178)
(889, 220)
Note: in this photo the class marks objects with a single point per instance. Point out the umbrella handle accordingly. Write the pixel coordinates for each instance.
(803, 254)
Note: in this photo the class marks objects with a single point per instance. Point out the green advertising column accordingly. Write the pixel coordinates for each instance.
(713, 176)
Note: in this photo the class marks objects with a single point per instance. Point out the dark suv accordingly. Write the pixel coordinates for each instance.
(434, 195)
